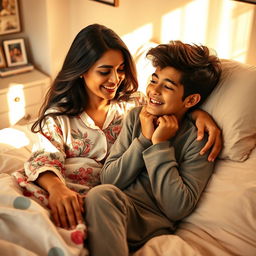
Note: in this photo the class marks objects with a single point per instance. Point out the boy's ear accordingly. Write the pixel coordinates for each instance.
(192, 100)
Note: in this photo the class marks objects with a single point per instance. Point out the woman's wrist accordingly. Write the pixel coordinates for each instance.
(49, 181)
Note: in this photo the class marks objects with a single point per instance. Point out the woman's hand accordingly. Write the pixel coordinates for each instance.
(66, 205)
(205, 123)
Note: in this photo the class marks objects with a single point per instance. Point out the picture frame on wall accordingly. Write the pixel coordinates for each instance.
(2, 58)
(114, 3)
(247, 1)
(15, 52)
(9, 17)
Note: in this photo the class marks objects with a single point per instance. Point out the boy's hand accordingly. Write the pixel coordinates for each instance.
(147, 123)
(166, 129)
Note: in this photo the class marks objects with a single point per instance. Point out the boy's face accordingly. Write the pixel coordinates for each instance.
(164, 93)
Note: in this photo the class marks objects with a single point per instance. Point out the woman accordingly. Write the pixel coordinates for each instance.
(80, 120)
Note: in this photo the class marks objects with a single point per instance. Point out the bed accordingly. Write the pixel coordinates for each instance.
(223, 223)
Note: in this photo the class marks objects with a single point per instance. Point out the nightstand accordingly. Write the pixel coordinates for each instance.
(21, 96)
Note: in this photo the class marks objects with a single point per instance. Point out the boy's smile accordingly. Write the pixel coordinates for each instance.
(164, 93)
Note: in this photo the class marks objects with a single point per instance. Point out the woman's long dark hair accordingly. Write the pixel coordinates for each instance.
(67, 92)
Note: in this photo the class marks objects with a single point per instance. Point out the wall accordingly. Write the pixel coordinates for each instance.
(49, 26)
(35, 31)
(225, 25)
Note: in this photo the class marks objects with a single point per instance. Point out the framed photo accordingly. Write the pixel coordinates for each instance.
(2, 59)
(15, 52)
(247, 1)
(109, 2)
(9, 17)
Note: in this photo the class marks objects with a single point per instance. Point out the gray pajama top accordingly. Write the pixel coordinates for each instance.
(168, 177)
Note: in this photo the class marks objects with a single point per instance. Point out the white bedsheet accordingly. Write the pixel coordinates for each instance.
(223, 224)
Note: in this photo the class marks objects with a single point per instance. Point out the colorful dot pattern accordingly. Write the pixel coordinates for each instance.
(56, 251)
(21, 203)
(77, 236)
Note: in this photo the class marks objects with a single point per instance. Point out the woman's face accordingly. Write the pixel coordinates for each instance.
(105, 76)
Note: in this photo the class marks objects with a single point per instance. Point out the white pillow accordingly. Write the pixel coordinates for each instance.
(225, 216)
(232, 104)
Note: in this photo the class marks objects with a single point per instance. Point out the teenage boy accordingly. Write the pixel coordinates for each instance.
(154, 175)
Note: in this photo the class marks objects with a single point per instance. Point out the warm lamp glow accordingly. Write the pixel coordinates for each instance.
(16, 103)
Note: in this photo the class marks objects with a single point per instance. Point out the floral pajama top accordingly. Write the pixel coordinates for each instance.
(74, 149)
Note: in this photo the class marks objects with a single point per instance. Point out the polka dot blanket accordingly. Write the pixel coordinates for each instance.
(26, 228)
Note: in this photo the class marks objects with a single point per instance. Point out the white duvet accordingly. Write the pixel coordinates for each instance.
(224, 223)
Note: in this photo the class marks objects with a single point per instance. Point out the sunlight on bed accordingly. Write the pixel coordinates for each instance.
(13, 137)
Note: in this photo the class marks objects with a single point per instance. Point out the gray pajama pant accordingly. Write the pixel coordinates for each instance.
(113, 218)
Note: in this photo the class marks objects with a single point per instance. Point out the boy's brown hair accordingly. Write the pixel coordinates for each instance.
(200, 69)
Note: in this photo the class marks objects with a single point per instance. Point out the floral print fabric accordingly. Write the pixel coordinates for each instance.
(74, 149)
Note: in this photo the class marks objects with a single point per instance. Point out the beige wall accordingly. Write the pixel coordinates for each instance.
(227, 26)
(46, 25)
(224, 25)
